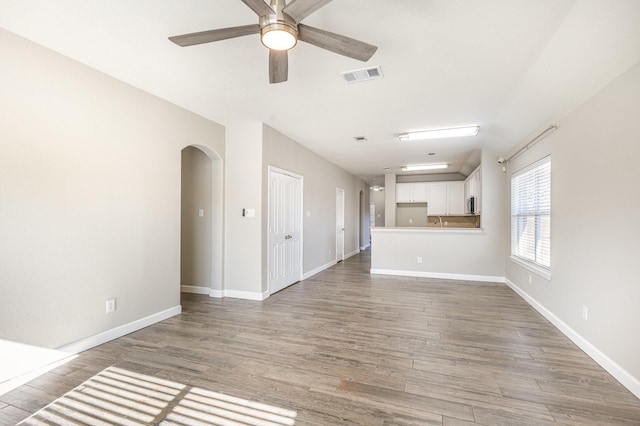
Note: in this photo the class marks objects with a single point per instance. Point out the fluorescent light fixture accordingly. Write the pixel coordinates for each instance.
(440, 133)
(420, 167)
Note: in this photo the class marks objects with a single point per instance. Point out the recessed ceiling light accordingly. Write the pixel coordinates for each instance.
(440, 133)
(420, 167)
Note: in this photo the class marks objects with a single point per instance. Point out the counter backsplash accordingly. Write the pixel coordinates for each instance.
(453, 221)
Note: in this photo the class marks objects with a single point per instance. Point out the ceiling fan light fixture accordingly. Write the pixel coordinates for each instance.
(278, 36)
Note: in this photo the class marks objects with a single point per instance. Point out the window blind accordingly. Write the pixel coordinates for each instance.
(531, 214)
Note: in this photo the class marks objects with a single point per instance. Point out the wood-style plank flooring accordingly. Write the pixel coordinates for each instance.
(342, 347)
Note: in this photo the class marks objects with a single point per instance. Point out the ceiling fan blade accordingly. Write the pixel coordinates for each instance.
(336, 43)
(214, 35)
(300, 9)
(259, 7)
(278, 66)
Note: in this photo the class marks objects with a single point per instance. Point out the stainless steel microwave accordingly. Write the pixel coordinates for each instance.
(471, 205)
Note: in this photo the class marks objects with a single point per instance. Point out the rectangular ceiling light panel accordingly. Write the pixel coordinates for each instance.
(440, 133)
(421, 167)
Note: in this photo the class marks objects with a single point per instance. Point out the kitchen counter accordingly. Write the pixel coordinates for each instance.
(428, 229)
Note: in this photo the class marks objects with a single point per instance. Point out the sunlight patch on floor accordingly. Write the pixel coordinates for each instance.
(21, 363)
(120, 396)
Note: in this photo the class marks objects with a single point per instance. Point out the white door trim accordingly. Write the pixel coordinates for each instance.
(340, 212)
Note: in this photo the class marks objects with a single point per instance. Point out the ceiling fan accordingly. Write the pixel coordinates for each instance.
(280, 29)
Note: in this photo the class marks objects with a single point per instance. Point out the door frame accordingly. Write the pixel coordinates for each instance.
(270, 171)
(342, 192)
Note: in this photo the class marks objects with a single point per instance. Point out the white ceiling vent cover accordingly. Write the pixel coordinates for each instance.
(362, 74)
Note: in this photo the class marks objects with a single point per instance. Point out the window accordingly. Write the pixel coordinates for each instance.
(531, 215)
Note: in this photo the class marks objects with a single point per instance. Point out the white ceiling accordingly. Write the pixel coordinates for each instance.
(511, 66)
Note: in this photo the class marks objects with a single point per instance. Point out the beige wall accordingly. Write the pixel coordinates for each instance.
(243, 235)
(89, 196)
(390, 199)
(251, 148)
(378, 199)
(321, 178)
(595, 232)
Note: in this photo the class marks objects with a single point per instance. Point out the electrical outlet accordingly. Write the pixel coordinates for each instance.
(110, 305)
(585, 312)
(419, 260)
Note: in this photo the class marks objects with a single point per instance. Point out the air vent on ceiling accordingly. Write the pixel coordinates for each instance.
(362, 74)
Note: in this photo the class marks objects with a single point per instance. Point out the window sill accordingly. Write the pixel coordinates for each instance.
(544, 273)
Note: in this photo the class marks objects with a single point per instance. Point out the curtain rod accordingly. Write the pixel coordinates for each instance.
(533, 141)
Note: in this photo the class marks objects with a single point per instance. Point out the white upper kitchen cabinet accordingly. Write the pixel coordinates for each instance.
(415, 192)
(446, 198)
(443, 198)
(473, 188)
(437, 198)
(455, 198)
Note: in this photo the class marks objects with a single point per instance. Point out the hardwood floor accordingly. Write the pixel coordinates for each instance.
(342, 347)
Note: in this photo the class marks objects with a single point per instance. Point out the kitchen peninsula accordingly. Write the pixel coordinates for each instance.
(440, 239)
(451, 253)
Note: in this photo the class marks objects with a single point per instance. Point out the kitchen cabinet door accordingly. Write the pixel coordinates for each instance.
(437, 198)
(411, 192)
(404, 193)
(473, 188)
(420, 192)
(455, 198)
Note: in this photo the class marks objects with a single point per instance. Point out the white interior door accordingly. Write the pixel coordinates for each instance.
(339, 224)
(285, 230)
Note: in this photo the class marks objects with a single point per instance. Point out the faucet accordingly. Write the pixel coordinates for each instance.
(440, 220)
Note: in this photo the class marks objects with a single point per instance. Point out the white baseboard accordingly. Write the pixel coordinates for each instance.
(327, 266)
(123, 330)
(440, 275)
(237, 294)
(219, 294)
(318, 270)
(627, 380)
(195, 289)
(353, 253)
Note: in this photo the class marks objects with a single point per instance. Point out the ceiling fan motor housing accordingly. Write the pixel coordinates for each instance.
(278, 21)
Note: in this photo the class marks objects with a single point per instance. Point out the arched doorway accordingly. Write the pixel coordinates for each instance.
(201, 221)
